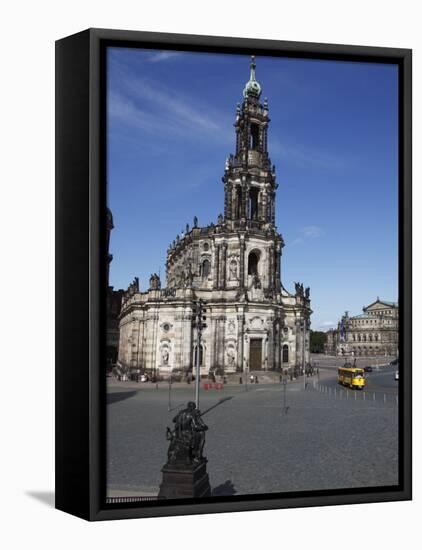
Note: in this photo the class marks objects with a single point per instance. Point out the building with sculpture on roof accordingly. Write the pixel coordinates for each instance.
(234, 265)
(374, 332)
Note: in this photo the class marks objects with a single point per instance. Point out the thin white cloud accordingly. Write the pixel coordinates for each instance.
(307, 233)
(312, 231)
(163, 56)
(155, 108)
(297, 241)
(302, 154)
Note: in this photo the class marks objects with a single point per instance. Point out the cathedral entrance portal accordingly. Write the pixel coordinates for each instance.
(255, 354)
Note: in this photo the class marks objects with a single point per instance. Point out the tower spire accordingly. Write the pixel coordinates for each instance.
(253, 67)
(252, 87)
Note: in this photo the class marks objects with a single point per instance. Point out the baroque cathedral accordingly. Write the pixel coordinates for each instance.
(234, 265)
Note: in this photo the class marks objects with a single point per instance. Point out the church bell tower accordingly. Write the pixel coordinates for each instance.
(249, 178)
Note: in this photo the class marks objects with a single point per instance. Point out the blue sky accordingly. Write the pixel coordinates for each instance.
(332, 137)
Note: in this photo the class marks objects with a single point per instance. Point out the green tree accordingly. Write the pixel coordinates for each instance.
(318, 340)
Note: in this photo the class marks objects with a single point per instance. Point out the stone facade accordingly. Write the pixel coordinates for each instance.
(375, 332)
(113, 302)
(234, 265)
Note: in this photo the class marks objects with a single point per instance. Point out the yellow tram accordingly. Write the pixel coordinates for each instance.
(352, 377)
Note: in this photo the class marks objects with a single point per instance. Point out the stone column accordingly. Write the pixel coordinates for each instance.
(271, 266)
(240, 329)
(220, 345)
(242, 262)
(228, 206)
(223, 265)
(273, 208)
(245, 198)
(263, 206)
(298, 357)
(266, 350)
(216, 266)
(277, 268)
(140, 340)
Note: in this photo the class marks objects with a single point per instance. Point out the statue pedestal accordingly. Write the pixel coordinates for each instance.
(183, 481)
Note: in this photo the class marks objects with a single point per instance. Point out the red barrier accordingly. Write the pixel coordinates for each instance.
(209, 386)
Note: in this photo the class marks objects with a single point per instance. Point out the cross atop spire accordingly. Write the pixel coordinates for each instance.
(253, 67)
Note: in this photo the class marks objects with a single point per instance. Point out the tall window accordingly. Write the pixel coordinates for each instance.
(285, 353)
(253, 263)
(254, 144)
(206, 266)
(253, 203)
(238, 203)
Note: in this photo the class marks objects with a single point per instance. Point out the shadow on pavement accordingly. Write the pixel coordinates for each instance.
(226, 489)
(46, 497)
(119, 396)
(221, 401)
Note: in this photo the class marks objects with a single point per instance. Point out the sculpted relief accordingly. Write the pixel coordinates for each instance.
(233, 270)
(231, 355)
(165, 354)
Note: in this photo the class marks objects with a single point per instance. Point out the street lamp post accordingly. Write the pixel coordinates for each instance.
(169, 405)
(199, 321)
(303, 352)
(198, 366)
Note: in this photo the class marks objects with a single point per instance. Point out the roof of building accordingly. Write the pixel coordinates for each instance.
(383, 302)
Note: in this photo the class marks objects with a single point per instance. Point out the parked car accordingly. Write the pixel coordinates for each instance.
(368, 369)
(396, 375)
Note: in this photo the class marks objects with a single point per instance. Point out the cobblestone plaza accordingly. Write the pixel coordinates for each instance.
(260, 440)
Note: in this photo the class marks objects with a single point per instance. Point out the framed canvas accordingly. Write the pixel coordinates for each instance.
(225, 207)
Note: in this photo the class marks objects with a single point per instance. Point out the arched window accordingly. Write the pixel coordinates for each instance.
(285, 353)
(206, 266)
(253, 261)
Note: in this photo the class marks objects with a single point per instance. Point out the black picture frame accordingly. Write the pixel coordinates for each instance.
(80, 280)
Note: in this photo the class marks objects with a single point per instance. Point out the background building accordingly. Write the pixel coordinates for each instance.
(253, 323)
(374, 332)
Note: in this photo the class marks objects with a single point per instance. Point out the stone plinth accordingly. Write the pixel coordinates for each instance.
(183, 481)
